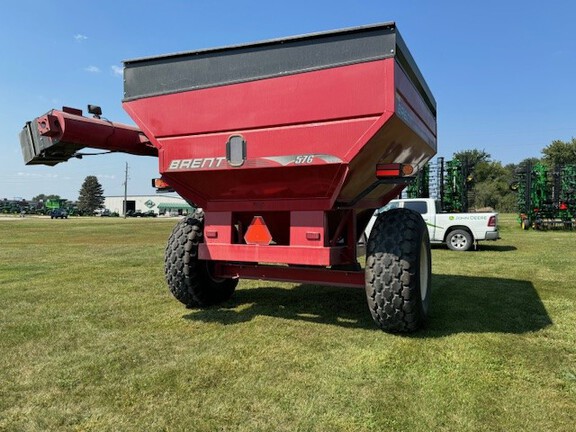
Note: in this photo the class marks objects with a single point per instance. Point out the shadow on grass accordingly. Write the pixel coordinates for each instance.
(460, 304)
(496, 248)
(344, 307)
(465, 304)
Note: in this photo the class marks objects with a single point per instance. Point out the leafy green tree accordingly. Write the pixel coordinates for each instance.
(522, 165)
(91, 196)
(43, 197)
(493, 171)
(491, 186)
(488, 181)
(560, 153)
(472, 157)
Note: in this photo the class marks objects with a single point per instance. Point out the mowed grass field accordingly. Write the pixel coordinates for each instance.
(91, 340)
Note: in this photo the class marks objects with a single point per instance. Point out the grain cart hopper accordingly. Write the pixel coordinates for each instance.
(288, 146)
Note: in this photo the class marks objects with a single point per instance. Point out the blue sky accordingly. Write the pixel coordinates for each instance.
(503, 72)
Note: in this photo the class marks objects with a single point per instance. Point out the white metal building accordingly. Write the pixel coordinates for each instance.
(161, 204)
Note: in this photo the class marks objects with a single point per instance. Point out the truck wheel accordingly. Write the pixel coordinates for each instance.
(189, 279)
(398, 271)
(459, 240)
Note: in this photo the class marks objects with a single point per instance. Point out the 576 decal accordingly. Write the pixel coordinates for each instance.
(303, 159)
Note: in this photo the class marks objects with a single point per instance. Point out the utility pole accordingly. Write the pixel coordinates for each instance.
(125, 190)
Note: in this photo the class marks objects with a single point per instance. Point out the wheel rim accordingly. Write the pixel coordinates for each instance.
(459, 241)
(424, 267)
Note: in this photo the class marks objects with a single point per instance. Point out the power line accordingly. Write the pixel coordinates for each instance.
(125, 190)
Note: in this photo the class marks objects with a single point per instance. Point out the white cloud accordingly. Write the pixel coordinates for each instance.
(80, 37)
(106, 176)
(36, 175)
(117, 70)
(92, 69)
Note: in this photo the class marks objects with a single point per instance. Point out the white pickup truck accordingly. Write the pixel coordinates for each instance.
(460, 231)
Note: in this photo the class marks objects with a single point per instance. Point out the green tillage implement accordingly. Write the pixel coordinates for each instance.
(546, 199)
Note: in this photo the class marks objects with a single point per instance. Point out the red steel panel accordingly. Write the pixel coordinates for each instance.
(305, 255)
(218, 227)
(291, 274)
(274, 189)
(264, 146)
(337, 93)
(307, 228)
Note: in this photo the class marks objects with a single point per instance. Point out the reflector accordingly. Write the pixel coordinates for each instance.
(393, 170)
(257, 232)
(159, 183)
(407, 170)
(389, 170)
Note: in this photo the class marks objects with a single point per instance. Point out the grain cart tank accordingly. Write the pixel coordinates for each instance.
(288, 146)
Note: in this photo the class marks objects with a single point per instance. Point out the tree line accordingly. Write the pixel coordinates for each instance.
(90, 199)
(489, 184)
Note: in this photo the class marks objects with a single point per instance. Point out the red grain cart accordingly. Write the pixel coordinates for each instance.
(288, 146)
